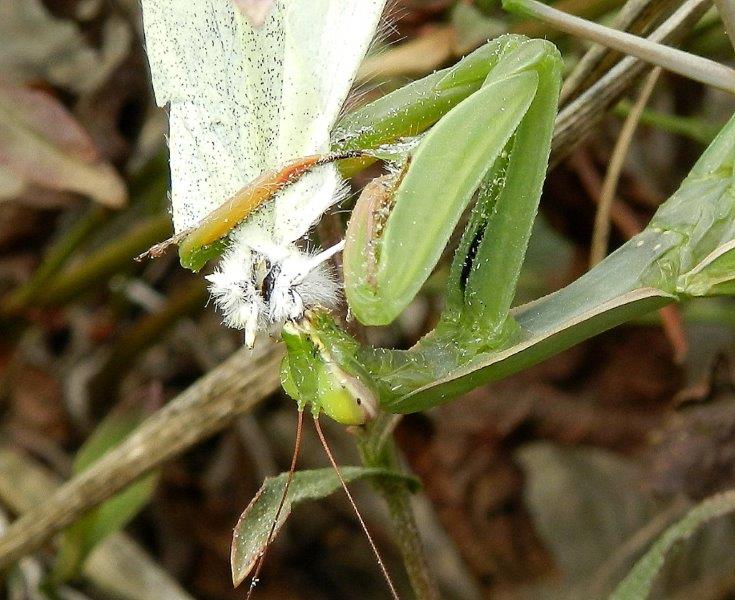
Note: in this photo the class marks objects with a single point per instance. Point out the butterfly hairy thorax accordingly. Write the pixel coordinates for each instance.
(259, 290)
(243, 100)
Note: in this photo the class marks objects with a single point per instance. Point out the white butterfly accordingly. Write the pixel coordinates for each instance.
(244, 100)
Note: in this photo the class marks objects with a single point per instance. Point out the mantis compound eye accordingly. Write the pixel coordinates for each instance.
(344, 397)
(316, 371)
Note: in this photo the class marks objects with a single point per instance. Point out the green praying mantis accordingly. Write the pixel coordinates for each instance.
(483, 126)
(477, 134)
(491, 118)
(482, 129)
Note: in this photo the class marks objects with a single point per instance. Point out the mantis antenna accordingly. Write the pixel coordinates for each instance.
(291, 470)
(383, 568)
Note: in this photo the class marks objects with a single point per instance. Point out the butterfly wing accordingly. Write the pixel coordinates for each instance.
(221, 79)
(243, 100)
(324, 43)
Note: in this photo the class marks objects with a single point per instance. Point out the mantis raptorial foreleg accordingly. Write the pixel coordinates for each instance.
(496, 141)
(687, 249)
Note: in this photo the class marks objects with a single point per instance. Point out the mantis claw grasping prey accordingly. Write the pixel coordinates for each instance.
(496, 140)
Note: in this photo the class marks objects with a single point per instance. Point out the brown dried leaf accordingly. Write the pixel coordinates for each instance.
(11, 186)
(41, 144)
(35, 403)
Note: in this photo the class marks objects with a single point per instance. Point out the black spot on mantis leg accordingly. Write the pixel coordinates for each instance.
(471, 255)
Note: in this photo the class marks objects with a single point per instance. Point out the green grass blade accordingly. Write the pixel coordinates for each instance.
(638, 583)
(82, 537)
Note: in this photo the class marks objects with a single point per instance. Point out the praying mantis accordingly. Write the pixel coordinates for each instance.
(484, 124)
(396, 236)
(397, 232)
(481, 127)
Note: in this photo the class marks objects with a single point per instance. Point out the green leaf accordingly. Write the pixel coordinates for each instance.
(638, 583)
(79, 539)
(715, 275)
(255, 523)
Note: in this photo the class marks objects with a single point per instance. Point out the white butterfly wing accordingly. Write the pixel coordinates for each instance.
(244, 100)
(325, 41)
(222, 81)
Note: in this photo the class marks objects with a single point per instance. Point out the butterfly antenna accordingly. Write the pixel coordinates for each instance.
(323, 440)
(291, 470)
(318, 259)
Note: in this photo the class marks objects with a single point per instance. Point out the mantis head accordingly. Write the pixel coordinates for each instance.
(321, 370)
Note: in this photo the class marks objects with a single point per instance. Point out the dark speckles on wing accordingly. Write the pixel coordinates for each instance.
(245, 100)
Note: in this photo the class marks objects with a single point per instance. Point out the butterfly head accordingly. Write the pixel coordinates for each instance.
(260, 290)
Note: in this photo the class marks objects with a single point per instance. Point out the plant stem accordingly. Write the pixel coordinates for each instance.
(378, 450)
(726, 8)
(105, 262)
(209, 405)
(55, 259)
(694, 128)
(695, 67)
(637, 17)
(601, 233)
(409, 540)
(577, 118)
